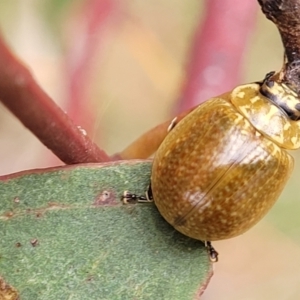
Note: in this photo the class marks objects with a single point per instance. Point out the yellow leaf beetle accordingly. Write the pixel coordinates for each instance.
(223, 166)
(221, 169)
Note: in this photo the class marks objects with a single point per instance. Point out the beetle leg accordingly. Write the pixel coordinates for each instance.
(213, 254)
(133, 198)
(128, 197)
(149, 194)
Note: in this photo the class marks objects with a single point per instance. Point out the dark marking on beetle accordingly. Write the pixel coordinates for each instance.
(269, 75)
(270, 83)
(290, 112)
(7, 292)
(180, 221)
(297, 106)
(106, 197)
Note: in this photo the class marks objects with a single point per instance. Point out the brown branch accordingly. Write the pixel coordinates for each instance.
(35, 109)
(285, 15)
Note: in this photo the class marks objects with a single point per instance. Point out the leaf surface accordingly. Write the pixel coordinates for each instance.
(65, 234)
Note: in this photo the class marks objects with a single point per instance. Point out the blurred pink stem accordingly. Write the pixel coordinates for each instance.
(87, 31)
(35, 109)
(219, 44)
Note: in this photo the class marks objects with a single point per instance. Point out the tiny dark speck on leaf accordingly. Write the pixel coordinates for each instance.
(90, 278)
(34, 242)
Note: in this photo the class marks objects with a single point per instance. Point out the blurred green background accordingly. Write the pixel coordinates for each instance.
(136, 78)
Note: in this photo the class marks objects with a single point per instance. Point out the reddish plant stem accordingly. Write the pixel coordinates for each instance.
(217, 50)
(86, 33)
(35, 109)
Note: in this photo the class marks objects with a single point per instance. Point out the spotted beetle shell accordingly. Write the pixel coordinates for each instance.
(216, 175)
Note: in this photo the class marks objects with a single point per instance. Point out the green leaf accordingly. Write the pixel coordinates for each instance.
(65, 234)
